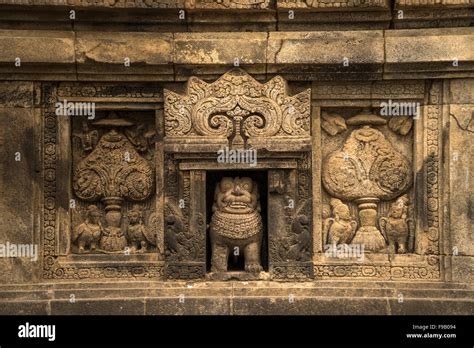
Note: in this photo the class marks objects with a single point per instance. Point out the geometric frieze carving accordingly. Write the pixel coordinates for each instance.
(314, 4)
(237, 110)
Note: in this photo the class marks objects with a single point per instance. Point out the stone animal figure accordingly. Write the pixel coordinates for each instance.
(236, 222)
(87, 235)
(339, 229)
(300, 239)
(137, 233)
(396, 227)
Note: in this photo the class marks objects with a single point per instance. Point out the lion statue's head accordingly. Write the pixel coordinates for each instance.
(236, 196)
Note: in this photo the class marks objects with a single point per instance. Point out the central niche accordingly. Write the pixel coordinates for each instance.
(242, 237)
(240, 204)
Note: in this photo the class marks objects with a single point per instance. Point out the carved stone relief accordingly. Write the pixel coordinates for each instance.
(88, 216)
(366, 170)
(238, 109)
(238, 112)
(373, 205)
(397, 227)
(407, 227)
(290, 211)
(341, 227)
(112, 169)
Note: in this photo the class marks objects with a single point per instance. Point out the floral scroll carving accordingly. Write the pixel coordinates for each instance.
(237, 107)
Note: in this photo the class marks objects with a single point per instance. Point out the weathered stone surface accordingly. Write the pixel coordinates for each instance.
(212, 21)
(462, 268)
(25, 308)
(118, 3)
(293, 4)
(423, 306)
(212, 53)
(189, 306)
(37, 54)
(237, 157)
(461, 181)
(110, 55)
(43, 47)
(98, 307)
(241, 298)
(430, 53)
(19, 168)
(327, 55)
(17, 94)
(461, 91)
(430, 3)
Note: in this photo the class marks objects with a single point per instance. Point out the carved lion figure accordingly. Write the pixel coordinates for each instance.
(236, 223)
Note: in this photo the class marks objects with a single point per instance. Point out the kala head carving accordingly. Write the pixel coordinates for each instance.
(236, 223)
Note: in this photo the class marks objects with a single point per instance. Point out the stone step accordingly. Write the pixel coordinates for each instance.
(389, 290)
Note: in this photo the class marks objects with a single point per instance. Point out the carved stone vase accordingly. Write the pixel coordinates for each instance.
(365, 170)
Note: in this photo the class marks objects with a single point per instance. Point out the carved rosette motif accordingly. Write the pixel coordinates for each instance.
(238, 105)
(49, 212)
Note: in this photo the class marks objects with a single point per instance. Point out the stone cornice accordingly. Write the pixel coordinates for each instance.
(349, 55)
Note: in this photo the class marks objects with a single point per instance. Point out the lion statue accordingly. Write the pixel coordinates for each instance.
(236, 224)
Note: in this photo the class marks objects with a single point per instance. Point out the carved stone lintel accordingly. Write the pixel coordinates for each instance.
(239, 106)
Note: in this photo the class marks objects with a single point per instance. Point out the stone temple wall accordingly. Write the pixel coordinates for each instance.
(236, 153)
